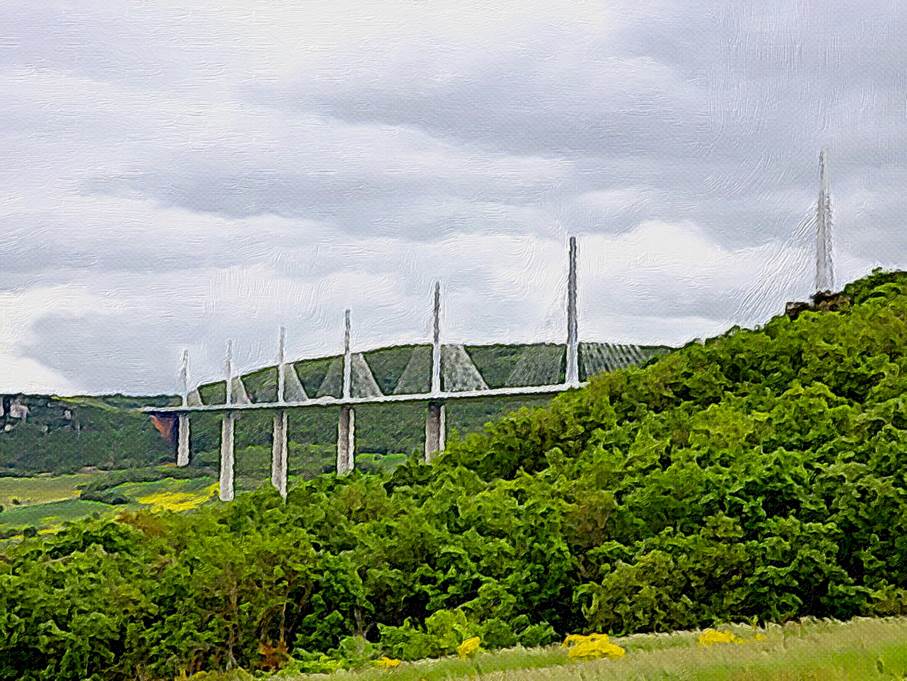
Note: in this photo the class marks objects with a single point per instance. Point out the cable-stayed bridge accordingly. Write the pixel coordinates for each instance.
(434, 374)
(438, 373)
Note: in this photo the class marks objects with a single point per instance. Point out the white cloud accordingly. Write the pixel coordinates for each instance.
(19, 313)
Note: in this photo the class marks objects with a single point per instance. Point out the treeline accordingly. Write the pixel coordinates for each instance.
(760, 475)
(63, 435)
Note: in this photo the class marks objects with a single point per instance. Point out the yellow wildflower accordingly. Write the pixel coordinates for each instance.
(386, 662)
(469, 646)
(573, 639)
(591, 647)
(178, 501)
(710, 637)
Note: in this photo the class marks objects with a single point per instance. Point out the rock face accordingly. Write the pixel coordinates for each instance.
(823, 301)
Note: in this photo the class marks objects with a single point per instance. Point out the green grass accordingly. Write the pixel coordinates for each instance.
(134, 490)
(48, 501)
(859, 650)
(41, 489)
(50, 514)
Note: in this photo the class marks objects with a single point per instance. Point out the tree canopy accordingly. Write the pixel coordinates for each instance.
(758, 475)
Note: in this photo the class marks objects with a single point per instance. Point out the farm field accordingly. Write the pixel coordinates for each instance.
(859, 650)
(43, 516)
(46, 502)
(41, 489)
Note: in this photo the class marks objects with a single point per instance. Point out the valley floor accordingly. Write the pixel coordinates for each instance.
(861, 650)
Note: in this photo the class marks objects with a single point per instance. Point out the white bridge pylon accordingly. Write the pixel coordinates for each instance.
(453, 376)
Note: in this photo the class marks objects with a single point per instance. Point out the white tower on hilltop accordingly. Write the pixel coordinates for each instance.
(825, 273)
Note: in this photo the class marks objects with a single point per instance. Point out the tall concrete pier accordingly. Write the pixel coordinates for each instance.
(346, 427)
(182, 446)
(279, 444)
(435, 430)
(226, 433)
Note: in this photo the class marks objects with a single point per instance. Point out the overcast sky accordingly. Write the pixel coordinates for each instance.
(175, 177)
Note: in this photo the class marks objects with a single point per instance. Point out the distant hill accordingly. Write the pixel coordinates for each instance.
(407, 369)
(40, 433)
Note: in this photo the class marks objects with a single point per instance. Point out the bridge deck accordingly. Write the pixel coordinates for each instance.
(330, 401)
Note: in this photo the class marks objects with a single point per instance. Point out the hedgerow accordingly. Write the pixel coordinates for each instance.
(756, 476)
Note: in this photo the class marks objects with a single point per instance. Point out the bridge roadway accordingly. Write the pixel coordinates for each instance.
(331, 401)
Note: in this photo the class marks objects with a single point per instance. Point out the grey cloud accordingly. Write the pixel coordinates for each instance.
(143, 149)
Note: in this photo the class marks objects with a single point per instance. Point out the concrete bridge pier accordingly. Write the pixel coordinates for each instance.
(227, 451)
(279, 453)
(279, 440)
(346, 441)
(182, 446)
(227, 462)
(346, 428)
(435, 430)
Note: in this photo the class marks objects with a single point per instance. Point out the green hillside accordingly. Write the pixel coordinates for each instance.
(759, 476)
(67, 434)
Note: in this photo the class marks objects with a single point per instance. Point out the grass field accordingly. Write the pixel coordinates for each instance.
(46, 502)
(859, 650)
(42, 489)
(138, 490)
(52, 513)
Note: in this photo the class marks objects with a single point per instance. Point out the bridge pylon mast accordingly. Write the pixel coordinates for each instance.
(435, 421)
(825, 274)
(572, 374)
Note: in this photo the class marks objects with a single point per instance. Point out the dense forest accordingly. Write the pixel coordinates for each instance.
(755, 476)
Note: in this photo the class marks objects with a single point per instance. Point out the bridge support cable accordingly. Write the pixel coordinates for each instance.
(796, 268)
(459, 371)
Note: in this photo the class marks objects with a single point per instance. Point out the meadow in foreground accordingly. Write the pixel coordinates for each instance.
(863, 649)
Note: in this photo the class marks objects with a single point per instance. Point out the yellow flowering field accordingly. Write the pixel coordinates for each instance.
(178, 501)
